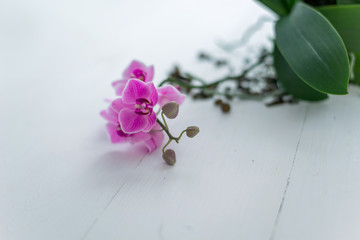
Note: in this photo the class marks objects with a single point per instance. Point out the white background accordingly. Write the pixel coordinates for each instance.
(287, 172)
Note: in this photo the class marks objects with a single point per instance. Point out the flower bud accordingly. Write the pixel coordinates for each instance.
(192, 131)
(218, 102)
(169, 157)
(225, 107)
(171, 110)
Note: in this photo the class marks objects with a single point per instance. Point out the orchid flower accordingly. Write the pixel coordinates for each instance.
(136, 70)
(135, 107)
(132, 119)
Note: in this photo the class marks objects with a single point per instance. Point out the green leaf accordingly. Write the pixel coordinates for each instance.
(346, 20)
(356, 69)
(278, 6)
(290, 3)
(292, 83)
(313, 49)
(347, 1)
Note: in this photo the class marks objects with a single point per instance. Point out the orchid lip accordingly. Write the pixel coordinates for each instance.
(143, 107)
(139, 74)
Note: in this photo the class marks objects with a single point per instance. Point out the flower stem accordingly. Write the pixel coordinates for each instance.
(181, 134)
(169, 141)
(203, 85)
(167, 131)
(166, 126)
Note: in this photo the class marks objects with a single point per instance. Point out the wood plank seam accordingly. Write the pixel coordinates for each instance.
(88, 230)
(289, 177)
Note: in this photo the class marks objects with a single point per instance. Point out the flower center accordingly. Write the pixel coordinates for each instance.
(138, 74)
(143, 106)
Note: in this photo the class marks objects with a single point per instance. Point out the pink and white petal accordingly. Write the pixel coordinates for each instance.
(156, 139)
(114, 83)
(139, 137)
(108, 100)
(134, 90)
(149, 74)
(119, 87)
(168, 89)
(107, 115)
(112, 113)
(132, 122)
(153, 94)
(114, 136)
(169, 94)
(133, 66)
(151, 122)
(117, 105)
(156, 127)
(104, 114)
(179, 98)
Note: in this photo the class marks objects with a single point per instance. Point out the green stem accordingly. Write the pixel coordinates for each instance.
(181, 134)
(167, 131)
(166, 126)
(227, 78)
(189, 75)
(169, 141)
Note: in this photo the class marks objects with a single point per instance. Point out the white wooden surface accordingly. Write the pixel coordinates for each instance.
(288, 172)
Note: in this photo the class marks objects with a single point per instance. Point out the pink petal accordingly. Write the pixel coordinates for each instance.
(114, 83)
(134, 90)
(151, 122)
(110, 115)
(156, 127)
(139, 137)
(168, 94)
(119, 87)
(114, 136)
(150, 74)
(117, 105)
(131, 122)
(155, 141)
(153, 95)
(169, 89)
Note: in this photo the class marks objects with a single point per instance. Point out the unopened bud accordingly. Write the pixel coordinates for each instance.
(218, 102)
(171, 110)
(225, 107)
(192, 131)
(169, 157)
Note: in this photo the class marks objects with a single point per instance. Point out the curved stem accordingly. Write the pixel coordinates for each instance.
(181, 134)
(169, 141)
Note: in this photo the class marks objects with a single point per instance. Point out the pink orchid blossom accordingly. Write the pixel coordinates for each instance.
(136, 70)
(135, 107)
(170, 94)
(151, 139)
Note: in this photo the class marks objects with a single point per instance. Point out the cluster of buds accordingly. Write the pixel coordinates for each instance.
(171, 110)
(132, 117)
